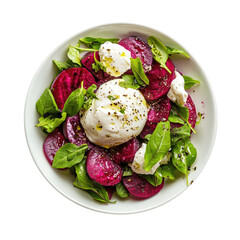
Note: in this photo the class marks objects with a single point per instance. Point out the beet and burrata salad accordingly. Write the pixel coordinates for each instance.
(119, 118)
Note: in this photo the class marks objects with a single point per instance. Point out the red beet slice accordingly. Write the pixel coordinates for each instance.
(192, 113)
(140, 187)
(138, 48)
(74, 132)
(68, 81)
(159, 111)
(125, 153)
(52, 143)
(88, 60)
(159, 81)
(102, 169)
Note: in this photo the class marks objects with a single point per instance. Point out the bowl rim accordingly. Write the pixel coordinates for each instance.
(129, 25)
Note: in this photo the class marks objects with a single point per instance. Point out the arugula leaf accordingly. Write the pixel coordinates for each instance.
(97, 65)
(183, 156)
(167, 171)
(183, 112)
(61, 65)
(172, 51)
(50, 123)
(46, 103)
(180, 133)
(74, 55)
(121, 190)
(189, 82)
(138, 71)
(96, 42)
(90, 95)
(159, 51)
(155, 179)
(68, 155)
(94, 189)
(75, 101)
(129, 82)
(158, 145)
(174, 118)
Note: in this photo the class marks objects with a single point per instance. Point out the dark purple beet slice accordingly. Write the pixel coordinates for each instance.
(192, 113)
(110, 190)
(88, 60)
(74, 132)
(138, 48)
(68, 81)
(140, 187)
(52, 143)
(125, 153)
(102, 169)
(159, 81)
(159, 112)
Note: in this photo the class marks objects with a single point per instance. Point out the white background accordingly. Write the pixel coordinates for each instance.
(30, 208)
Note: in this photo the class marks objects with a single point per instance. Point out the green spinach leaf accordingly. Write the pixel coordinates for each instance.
(183, 156)
(90, 95)
(47, 103)
(95, 43)
(50, 123)
(159, 51)
(167, 171)
(82, 181)
(189, 82)
(172, 51)
(68, 155)
(127, 171)
(158, 145)
(75, 101)
(155, 179)
(61, 65)
(98, 65)
(180, 133)
(174, 118)
(138, 72)
(129, 82)
(74, 55)
(121, 190)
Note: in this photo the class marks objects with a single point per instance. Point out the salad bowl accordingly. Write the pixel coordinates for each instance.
(62, 181)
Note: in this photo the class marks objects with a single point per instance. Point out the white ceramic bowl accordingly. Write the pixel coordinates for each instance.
(204, 140)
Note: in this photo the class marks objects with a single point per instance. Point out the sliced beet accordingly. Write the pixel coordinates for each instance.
(159, 81)
(159, 112)
(52, 143)
(101, 168)
(68, 81)
(140, 187)
(74, 132)
(192, 113)
(88, 60)
(125, 153)
(138, 48)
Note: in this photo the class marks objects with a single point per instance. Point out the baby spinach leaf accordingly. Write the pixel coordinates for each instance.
(189, 82)
(46, 103)
(75, 101)
(69, 155)
(183, 112)
(50, 123)
(98, 65)
(158, 145)
(172, 51)
(84, 49)
(95, 43)
(137, 69)
(121, 190)
(127, 171)
(180, 133)
(159, 51)
(167, 171)
(147, 137)
(129, 82)
(155, 179)
(90, 95)
(61, 65)
(82, 181)
(174, 118)
(74, 55)
(183, 156)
